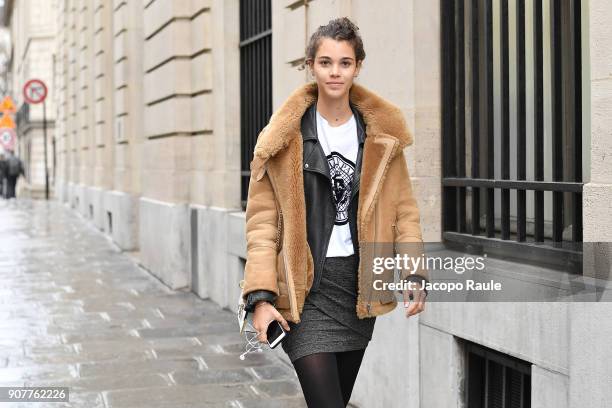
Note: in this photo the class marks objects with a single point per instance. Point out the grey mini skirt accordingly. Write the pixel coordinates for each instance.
(329, 321)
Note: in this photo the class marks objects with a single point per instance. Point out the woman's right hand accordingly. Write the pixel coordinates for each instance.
(264, 314)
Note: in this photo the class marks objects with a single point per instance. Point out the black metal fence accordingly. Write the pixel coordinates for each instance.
(255, 79)
(496, 152)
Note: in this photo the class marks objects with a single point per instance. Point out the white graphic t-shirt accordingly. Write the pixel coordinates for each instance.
(340, 145)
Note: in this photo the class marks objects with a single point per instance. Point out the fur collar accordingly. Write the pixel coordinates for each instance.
(379, 115)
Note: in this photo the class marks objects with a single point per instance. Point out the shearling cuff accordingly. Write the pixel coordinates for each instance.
(256, 296)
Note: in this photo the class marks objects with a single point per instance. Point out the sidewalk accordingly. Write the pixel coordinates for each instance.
(76, 312)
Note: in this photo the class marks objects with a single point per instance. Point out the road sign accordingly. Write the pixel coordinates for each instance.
(7, 122)
(7, 105)
(34, 91)
(7, 138)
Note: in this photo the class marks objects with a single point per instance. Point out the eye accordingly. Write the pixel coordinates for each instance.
(324, 62)
(346, 63)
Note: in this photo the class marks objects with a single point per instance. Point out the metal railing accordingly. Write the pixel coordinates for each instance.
(493, 148)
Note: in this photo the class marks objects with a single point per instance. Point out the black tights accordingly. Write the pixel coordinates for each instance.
(327, 379)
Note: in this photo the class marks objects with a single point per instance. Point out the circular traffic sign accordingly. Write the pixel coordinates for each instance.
(7, 138)
(35, 91)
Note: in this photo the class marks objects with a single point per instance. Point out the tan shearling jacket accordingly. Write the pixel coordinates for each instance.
(278, 256)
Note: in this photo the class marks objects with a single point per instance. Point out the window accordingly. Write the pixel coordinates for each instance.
(255, 79)
(512, 128)
(495, 380)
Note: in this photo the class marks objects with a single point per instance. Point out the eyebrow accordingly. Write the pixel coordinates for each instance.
(343, 58)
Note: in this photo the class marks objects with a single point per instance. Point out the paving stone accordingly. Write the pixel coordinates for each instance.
(51, 339)
(40, 404)
(186, 352)
(16, 361)
(188, 308)
(277, 388)
(51, 349)
(206, 309)
(9, 332)
(222, 338)
(118, 346)
(225, 361)
(39, 372)
(185, 331)
(195, 320)
(103, 326)
(173, 343)
(109, 334)
(131, 314)
(86, 400)
(15, 349)
(180, 394)
(78, 318)
(114, 309)
(272, 403)
(239, 375)
(115, 382)
(101, 369)
(273, 372)
(109, 353)
(63, 310)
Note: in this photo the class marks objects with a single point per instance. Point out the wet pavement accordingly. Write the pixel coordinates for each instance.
(76, 312)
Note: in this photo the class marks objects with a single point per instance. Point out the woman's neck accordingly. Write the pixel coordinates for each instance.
(335, 111)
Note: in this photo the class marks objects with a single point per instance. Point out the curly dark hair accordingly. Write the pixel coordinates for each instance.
(339, 29)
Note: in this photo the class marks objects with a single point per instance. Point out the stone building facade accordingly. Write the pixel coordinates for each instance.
(147, 105)
(33, 26)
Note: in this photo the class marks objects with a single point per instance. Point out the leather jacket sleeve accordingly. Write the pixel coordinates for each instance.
(257, 296)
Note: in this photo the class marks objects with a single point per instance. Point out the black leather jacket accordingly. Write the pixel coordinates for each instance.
(320, 207)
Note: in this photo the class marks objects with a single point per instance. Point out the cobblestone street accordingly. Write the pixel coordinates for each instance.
(76, 312)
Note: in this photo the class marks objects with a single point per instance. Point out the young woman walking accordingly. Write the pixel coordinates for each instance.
(328, 175)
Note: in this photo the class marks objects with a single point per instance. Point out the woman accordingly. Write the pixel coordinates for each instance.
(328, 175)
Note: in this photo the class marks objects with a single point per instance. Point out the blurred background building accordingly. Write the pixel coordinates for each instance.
(157, 105)
(31, 54)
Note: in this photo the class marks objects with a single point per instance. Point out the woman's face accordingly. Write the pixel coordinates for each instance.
(334, 67)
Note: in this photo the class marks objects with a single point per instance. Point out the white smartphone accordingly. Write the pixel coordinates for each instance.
(275, 333)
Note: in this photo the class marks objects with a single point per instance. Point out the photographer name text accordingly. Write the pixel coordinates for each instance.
(469, 285)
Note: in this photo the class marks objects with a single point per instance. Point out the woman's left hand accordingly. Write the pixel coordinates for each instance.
(417, 304)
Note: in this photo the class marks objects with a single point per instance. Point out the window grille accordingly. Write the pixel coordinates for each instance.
(512, 128)
(255, 79)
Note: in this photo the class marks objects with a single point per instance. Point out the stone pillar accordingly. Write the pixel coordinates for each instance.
(177, 130)
(121, 203)
(597, 193)
(102, 127)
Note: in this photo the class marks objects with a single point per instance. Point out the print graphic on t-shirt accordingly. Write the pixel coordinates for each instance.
(341, 171)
